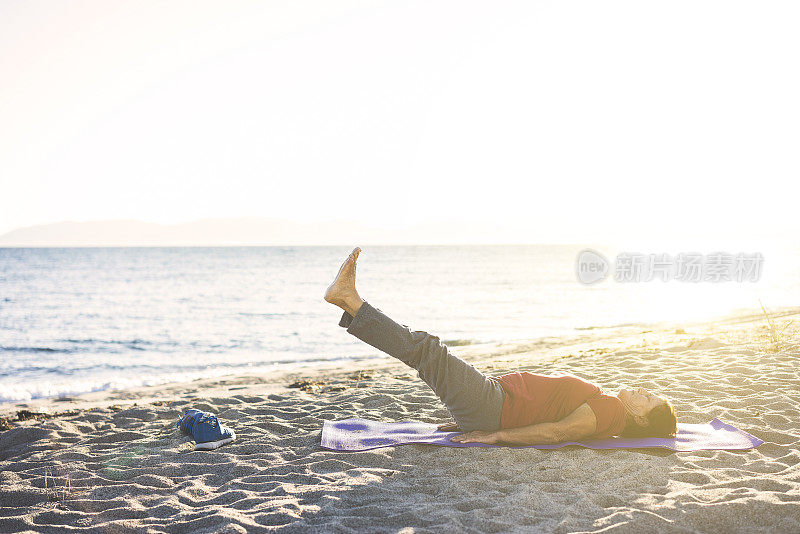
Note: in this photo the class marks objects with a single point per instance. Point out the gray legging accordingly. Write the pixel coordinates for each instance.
(472, 398)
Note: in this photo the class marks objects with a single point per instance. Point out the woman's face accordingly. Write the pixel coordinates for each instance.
(639, 401)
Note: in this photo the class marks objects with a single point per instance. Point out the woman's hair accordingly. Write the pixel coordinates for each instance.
(662, 423)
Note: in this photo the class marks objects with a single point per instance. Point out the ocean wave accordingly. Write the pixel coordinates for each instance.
(147, 344)
(5, 348)
(26, 391)
(459, 342)
(135, 341)
(260, 314)
(100, 368)
(82, 345)
(98, 378)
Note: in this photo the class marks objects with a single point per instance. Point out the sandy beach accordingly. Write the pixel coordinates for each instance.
(114, 462)
(603, 190)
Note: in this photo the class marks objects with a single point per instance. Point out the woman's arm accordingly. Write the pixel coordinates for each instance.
(577, 425)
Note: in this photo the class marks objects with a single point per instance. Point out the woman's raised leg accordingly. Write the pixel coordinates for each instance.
(472, 398)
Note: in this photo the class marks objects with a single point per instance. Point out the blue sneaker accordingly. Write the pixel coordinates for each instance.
(205, 429)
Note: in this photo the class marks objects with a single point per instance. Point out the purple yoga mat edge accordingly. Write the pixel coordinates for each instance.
(605, 444)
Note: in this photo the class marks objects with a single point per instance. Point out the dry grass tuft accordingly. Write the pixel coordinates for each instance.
(772, 330)
(58, 489)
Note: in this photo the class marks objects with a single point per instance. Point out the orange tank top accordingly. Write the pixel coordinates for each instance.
(532, 398)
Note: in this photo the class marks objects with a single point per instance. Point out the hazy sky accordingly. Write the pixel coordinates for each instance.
(566, 119)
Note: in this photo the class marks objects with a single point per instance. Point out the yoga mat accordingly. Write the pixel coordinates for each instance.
(362, 434)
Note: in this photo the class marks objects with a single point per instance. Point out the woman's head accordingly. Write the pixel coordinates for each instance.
(647, 414)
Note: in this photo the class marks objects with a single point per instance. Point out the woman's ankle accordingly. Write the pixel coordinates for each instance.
(352, 305)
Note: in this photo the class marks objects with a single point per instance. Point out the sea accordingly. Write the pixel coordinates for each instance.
(76, 320)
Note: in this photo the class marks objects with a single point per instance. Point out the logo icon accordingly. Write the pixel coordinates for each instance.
(591, 267)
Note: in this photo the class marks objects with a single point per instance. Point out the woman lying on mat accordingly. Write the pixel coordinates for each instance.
(519, 408)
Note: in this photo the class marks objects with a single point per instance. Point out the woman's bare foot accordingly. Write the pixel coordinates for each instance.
(342, 291)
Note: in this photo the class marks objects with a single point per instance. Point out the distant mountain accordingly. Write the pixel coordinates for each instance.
(244, 231)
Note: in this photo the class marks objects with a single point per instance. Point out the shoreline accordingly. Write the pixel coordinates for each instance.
(334, 373)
